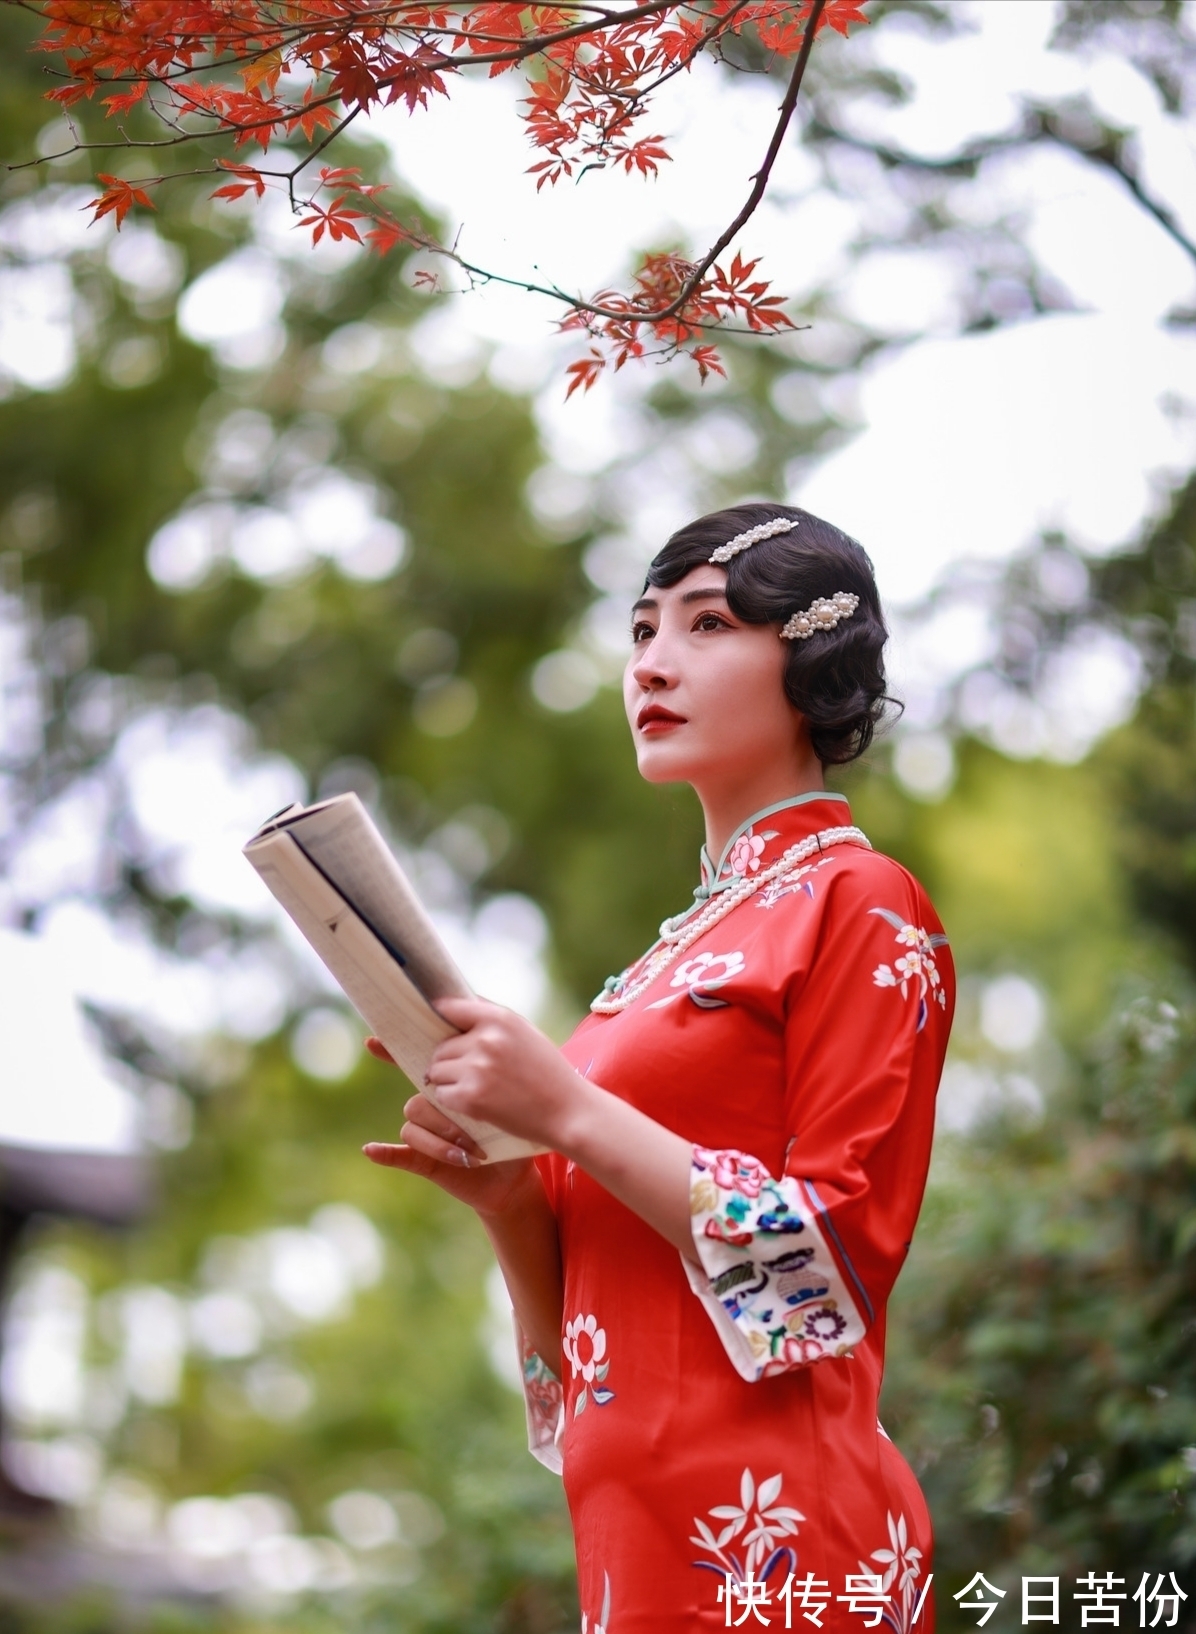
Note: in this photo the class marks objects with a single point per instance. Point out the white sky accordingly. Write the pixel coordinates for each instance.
(56, 1089)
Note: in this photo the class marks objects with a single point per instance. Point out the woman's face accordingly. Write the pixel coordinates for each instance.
(703, 690)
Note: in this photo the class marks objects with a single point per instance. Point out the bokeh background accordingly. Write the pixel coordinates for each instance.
(275, 522)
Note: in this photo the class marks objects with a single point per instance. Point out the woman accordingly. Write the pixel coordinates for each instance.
(739, 1134)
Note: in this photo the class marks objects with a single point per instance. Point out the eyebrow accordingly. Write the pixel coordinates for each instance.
(712, 594)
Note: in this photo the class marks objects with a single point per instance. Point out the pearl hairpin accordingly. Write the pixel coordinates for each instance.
(822, 614)
(753, 536)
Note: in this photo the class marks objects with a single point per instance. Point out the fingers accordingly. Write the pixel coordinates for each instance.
(379, 1050)
(435, 1146)
(446, 1069)
(411, 1157)
(455, 1048)
(419, 1110)
(467, 1013)
(394, 1157)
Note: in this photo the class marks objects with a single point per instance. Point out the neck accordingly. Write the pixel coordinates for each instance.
(732, 801)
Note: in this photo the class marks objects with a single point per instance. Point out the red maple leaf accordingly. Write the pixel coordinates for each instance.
(336, 219)
(386, 234)
(708, 361)
(251, 181)
(118, 198)
(584, 372)
(309, 119)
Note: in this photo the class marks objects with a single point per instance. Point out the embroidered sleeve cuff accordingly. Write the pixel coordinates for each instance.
(544, 1400)
(768, 1279)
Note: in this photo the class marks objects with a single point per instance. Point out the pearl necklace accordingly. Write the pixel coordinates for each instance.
(684, 929)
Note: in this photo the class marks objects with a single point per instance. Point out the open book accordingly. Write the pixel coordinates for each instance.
(332, 871)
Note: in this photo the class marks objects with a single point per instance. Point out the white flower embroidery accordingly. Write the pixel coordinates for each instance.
(701, 968)
(900, 1567)
(595, 1348)
(917, 968)
(758, 1521)
(585, 1347)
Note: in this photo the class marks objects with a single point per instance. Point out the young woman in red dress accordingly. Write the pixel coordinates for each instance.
(739, 1133)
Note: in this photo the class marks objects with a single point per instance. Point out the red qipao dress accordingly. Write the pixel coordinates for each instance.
(717, 1428)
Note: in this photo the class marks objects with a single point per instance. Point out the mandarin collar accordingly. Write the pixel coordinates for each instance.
(767, 834)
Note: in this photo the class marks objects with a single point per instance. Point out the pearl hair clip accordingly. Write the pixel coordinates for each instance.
(822, 614)
(753, 536)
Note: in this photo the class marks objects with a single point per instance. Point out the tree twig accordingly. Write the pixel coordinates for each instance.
(1038, 125)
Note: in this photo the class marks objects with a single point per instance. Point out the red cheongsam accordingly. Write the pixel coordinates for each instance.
(718, 1431)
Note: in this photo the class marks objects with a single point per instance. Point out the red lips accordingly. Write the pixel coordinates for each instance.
(655, 718)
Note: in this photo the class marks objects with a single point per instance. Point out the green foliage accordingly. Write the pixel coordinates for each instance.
(1020, 861)
(1040, 1363)
(1040, 1371)
(1151, 764)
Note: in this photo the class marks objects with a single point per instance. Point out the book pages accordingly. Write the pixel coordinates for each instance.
(367, 969)
(341, 839)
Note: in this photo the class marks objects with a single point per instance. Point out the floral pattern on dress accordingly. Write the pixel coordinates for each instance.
(749, 1543)
(585, 1351)
(602, 1622)
(898, 1568)
(744, 856)
(698, 978)
(915, 970)
(791, 884)
(771, 1284)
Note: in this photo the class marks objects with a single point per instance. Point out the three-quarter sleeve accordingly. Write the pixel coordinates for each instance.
(543, 1392)
(795, 1264)
(544, 1399)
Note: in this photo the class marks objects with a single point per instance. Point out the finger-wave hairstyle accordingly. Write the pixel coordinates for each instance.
(836, 678)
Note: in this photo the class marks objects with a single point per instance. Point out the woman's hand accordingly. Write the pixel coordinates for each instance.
(502, 1070)
(436, 1149)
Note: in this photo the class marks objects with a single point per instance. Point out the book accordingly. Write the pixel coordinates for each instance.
(337, 879)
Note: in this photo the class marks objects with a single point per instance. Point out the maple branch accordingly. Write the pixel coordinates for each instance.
(765, 170)
(1111, 157)
(320, 146)
(535, 45)
(542, 42)
(700, 268)
(590, 80)
(722, 26)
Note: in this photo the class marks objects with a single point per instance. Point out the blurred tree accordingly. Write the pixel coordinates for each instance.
(1041, 1372)
(1152, 763)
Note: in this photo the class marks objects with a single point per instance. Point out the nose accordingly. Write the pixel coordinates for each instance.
(650, 667)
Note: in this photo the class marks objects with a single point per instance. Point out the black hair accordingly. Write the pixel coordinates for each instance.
(835, 678)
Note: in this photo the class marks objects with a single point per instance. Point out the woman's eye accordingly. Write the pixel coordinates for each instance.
(641, 632)
(710, 621)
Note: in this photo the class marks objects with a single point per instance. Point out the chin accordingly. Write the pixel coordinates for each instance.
(657, 765)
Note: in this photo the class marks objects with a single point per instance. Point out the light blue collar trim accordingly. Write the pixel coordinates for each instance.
(710, 875)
